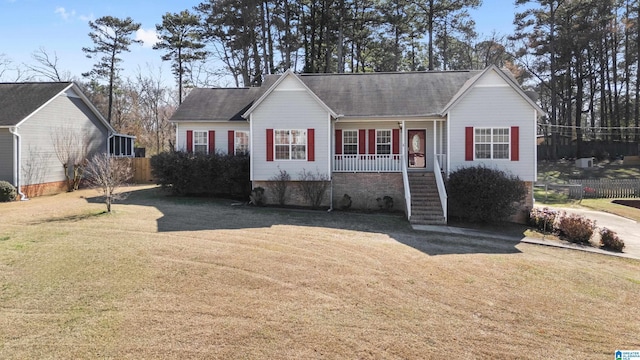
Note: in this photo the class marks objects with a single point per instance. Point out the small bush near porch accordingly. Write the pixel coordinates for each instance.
(202, 174)
(481, 194)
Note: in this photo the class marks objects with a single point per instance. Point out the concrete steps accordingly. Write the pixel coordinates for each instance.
(426, 208)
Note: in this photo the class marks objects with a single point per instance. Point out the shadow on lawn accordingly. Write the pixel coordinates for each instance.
(194, 214)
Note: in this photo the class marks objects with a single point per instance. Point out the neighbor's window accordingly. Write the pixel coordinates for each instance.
(290, 144)
(349, 142)
(241, 142)
(383, 142)
(492, 143)
(200, 142)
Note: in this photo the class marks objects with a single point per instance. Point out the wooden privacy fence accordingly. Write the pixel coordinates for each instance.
(141, 170)
(604, 188)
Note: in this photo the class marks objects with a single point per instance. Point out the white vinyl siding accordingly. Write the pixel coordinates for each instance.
(289, 110)
(221, 132)
(494, 107)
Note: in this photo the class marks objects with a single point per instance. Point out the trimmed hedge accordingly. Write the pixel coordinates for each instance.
(481, 194)
(202, 174)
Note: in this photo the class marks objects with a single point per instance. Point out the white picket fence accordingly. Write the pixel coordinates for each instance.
(604, 188)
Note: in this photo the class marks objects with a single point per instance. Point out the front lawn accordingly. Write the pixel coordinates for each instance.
(167, 277)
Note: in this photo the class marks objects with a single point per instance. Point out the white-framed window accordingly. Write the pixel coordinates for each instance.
(241, 142)
(492, 143)
(290, 144)
(383, 142)
(349, 142)
(200, 141)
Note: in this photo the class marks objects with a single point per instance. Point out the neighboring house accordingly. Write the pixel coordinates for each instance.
(371, 134)
(36, 116)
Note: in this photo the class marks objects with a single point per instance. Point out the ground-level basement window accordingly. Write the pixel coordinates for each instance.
(290, 144)
(491, 143)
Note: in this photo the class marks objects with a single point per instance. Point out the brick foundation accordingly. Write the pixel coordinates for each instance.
(295, 196)
(526, 205)
(44, 189)
(365, 188)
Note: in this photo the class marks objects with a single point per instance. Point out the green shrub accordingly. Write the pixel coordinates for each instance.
(480, 194)
(543, 219)
(576, 228)
(610, 240)
(7, 192)
(189, 174)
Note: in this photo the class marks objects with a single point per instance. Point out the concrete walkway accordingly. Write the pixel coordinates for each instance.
(628, 230)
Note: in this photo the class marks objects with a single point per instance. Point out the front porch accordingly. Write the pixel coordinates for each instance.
(401, 149)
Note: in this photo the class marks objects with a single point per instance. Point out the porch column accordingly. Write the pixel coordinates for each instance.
(404, 144)
(435, 142)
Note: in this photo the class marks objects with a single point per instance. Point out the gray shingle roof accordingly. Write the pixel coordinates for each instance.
(19, 100)
(387, 94)
(216, 104)
(351, 95)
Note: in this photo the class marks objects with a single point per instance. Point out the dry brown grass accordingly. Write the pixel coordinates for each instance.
(191, 278)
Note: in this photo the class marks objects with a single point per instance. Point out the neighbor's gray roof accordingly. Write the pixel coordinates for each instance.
(351, 95)
(19, 100)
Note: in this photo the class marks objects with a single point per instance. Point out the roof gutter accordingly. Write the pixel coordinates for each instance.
(17, 161)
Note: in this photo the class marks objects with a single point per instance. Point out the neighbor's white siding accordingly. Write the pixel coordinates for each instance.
(495, 106)
(64, 114)
(6, 156)
(221, 132)
(290, 109)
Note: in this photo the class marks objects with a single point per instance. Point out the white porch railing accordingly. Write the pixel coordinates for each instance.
(407, 190)
(442, 162)
(368, 163)
(442, 191)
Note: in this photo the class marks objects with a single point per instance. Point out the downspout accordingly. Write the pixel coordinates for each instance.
(109, 143)
(17, 161)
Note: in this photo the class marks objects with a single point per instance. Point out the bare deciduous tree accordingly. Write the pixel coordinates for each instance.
(35, 171)
(72, 149)
(47, 66)
(107, 174)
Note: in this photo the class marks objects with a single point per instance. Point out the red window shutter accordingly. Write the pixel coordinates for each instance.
(338, 142)
(468, 143)
(311, 145)
(372, 141)
(231, 146)
(396, 141)
(212, 142)
(362, 140)
(189, 141)
(269, 144)
(515, 143)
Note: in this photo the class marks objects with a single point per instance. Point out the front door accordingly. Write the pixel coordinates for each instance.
(417, 155)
